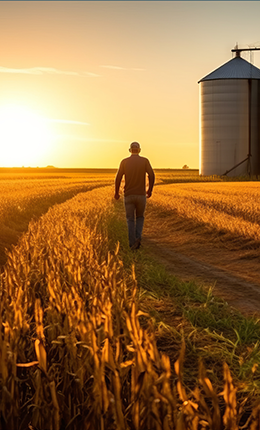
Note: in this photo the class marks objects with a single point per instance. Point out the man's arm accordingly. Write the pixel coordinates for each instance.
(151, 177)
(118, 180)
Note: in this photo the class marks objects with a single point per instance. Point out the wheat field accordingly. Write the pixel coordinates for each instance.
(75, 352)
(232, 207)
(28, 193)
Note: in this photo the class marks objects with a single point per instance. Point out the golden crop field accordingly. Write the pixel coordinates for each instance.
(227, 206)
(27, 193)
(72, 342)
(26, 187)
(76, 351)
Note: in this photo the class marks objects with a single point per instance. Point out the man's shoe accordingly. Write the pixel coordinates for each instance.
(136, 245)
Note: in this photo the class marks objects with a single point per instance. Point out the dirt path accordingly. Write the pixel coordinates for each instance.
(231, 265)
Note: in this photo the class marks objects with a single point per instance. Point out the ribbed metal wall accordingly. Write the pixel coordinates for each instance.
(255, 127)
(228, 107)
(223, 126)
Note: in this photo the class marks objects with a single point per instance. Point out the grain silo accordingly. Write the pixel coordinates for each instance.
(230, 119)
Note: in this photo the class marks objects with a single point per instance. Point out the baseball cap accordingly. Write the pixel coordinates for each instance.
(135, 145)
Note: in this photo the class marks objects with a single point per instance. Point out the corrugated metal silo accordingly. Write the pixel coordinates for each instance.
(230, 119)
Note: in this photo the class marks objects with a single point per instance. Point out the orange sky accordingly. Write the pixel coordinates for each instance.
(80, 80)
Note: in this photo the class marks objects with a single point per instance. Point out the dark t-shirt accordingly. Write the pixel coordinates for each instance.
(135, 168)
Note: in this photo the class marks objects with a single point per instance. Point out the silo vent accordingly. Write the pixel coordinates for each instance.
(239, 50)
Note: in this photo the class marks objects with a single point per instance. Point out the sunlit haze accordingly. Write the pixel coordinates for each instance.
(79, 81)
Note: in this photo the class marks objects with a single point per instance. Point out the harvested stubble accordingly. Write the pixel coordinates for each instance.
(73, 354)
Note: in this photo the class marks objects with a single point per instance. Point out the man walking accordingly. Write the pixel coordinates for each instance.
(134, 168)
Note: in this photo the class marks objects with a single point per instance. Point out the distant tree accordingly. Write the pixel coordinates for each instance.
(185, 166)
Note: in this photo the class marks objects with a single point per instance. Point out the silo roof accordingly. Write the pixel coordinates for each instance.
(237, 68)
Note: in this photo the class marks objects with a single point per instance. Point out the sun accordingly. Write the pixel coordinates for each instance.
(25, 136)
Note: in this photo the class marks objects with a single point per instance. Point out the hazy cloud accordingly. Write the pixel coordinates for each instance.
(122, 68)
(53, 71)
(46, 70)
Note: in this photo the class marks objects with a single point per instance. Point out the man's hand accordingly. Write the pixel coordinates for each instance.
(116, 196)
(148, 194)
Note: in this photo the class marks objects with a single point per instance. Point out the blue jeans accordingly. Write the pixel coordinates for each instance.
(134, 209)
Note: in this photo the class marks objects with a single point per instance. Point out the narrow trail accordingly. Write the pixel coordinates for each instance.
(230, 266)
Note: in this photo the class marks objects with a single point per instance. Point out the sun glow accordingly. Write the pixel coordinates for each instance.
(24, 137)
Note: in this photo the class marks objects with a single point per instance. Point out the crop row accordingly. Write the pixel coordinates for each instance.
(29, 197)
(232, 207)
(18, 195)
